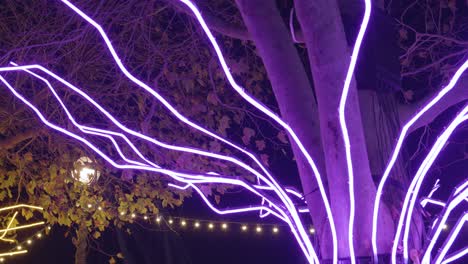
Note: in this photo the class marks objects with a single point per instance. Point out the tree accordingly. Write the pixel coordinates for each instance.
(311, 113)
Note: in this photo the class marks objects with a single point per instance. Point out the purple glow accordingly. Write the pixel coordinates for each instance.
(344, 128)
(397, 149)
(449, 241)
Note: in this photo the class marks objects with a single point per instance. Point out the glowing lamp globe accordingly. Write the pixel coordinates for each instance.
(84, 171)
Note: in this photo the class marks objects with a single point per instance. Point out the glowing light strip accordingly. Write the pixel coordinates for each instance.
(459, 198)
(284, 197)
(344, 128)
(416, 183)
(8, 229)
(456, 255)
(449, 241)
(398, 147)
(432, 201)
(13, 253)
(21, 206)
(22, 226)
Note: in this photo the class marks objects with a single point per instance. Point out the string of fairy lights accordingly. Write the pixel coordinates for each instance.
(161, 221)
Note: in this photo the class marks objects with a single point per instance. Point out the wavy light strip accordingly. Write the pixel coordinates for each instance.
(432, 201)
(451, 238)
(344, 128)
(416, 183)
(397, 149)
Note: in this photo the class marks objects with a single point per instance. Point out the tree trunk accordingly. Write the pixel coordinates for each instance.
(329, 58)
(295, 99)
(81, 244)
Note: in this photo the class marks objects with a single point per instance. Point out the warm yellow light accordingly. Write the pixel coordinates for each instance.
(224, 226)
(8, 228)
(145, 217)
(2, 259)
(39, 235)
(13, 253)
(89, 205)
(312, 231)
(183, 223)
(258, 229)
(171, 221)
(210, 226)
(244, 228)
(122, 213)
(22, 226)
(20, 206)
(197, 225)
(158, 219)
(275, 230)
(29, 241)
(49, 227)
(99, 208)
(133, 215)
(19, 247)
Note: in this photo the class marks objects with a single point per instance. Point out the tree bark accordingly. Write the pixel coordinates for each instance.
(329, 58)
(81, 244)
(295, 99)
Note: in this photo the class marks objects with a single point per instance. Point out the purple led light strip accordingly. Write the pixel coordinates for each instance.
(170, 173)
(344, 128)
(451, 238)
(281, 192)
(415, 186)
(398, 147)
(456, 255)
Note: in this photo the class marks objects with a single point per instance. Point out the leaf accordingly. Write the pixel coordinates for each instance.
(112, 260)
(97, 234)
(282, 137)
(224, 124)
(120, 255)
(217, 199)
(260, 144)
(248, 133)
(212, 98)
(403, 34)
(264, 158)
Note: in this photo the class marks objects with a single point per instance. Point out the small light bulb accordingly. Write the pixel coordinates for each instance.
(99, 208)
(39, 235)
(29, 241)
(145, 217)
(2, 259)
(258, 229)
(171, 221)
(275, 230)
(183, 223)
(49, 227)
(122, 213)
(244, 228)
(312, 231)
(158, 219)
(197, 225)
(210, 226)
(133, 215)
(19, 247)
(444, 226)
(224, 226)
(89, 205)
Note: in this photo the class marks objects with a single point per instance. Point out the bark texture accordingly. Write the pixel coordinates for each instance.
(329, 58)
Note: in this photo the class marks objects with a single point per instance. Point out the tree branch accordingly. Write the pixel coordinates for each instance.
(455, 96)
(222, 26)
(11, 142)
